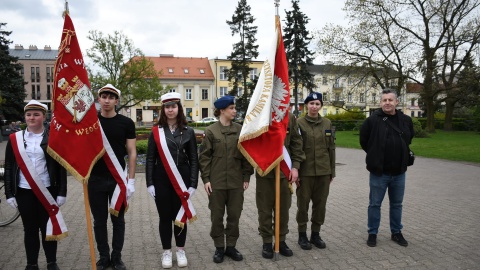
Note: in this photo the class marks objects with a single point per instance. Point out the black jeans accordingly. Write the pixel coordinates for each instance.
(34, 218)
(100, 191)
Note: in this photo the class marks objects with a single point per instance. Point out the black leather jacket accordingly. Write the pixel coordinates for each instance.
(58, 175)
(183, 148)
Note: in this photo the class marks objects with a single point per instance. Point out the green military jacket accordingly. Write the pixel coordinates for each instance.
(221, 163)
(294, 144)
(319, 146)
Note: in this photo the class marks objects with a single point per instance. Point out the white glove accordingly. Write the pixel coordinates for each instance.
(151, 190)
(61, 200)
(191, 190)
(13, 202)
(130, 188)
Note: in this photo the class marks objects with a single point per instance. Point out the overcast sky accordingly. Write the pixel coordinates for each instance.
(185, 28)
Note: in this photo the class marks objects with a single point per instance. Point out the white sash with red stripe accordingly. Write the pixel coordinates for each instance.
(186, 212)
(119, 196)
(56, 228)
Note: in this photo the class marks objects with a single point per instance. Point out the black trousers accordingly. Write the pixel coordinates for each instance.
(168, 205)
(34, 218)
(100, 191)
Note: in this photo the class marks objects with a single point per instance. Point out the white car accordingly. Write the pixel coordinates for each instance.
(208, 120)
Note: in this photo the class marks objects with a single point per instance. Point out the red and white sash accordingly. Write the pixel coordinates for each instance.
(119, 196)
(56, 228)
(186, 212)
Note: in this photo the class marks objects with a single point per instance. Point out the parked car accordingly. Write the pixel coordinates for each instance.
(208, 120)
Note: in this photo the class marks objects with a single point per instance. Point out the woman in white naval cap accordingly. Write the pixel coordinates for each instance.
(19, 183)
(172, 176)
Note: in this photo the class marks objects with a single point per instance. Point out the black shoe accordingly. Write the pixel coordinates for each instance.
(118, 264)
(267, 251)
(103, 263)
(317, 240)
(31, 267)
(218, 256)
(398, 237)
(52, 266)
(372, 240)
(303, 241)
(233, 253)
(285, 250)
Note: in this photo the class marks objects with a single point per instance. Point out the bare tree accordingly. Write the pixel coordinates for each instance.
(418, 39)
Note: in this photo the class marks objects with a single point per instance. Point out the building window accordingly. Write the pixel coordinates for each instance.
(419, 114)
(48, 92)
(253, 74)
(239, 91)
(188, 94)
(362, 97)
(374, 98)
(350, 81)
(49, 74)
(223, 91)
(337, 83)
(204, 94)
(223, 73)
(22, 72)
(33, 91)
(170, 70)
(324, 111)
(185, 70)
(37, 69)
(325, 96)
(413, 102)
(337, 111)
(39, 95)
(412, 113)
(324, 80)
(202, 71)
(349, 97)
(172, 90)
(32, 75)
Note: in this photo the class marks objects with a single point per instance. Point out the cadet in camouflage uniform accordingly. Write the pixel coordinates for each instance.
(265, 194)
(316, 172)
(226, 175)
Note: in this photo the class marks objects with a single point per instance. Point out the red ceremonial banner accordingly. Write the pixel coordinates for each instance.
(75, 137)
(265, 126)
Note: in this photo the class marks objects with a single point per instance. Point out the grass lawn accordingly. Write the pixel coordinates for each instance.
(453, 145)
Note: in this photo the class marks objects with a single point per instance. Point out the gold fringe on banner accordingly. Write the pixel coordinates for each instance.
(56, 237)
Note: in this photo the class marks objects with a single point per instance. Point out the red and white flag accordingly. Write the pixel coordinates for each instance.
(75, 133)
(266, 121)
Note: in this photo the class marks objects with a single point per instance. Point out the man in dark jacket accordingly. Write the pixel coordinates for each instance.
(385, 136)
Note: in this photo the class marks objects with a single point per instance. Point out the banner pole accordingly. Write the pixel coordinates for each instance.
(89, 225)
(277, 212)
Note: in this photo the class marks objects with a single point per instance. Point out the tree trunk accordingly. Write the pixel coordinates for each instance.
(449, 106)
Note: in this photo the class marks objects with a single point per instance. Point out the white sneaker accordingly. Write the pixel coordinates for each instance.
(181, 258)
(167, 259)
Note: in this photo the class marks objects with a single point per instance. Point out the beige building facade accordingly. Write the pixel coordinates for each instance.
(37, 72)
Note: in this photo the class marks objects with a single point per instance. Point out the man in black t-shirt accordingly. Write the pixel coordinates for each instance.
(120, 133)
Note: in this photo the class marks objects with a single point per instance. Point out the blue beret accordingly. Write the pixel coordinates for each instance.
(314, 96)
(224, 102)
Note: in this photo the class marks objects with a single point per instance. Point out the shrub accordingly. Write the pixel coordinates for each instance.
(142, 147)
(417, 127)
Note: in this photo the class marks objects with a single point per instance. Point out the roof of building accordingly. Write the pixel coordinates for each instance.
(342, 70)
(414, 87)
(33, 53)
(188, 68)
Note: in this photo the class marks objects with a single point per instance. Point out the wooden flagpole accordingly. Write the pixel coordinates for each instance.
(277, 211)
(89, 225)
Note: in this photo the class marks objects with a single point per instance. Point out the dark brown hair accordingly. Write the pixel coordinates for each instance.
(181, 119)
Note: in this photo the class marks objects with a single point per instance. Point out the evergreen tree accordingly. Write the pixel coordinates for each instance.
(296, 39)
(12, 91)
(244, 51)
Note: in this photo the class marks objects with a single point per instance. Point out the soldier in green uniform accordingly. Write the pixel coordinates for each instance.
(226, 175)
(316, 172)
(265, 194)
